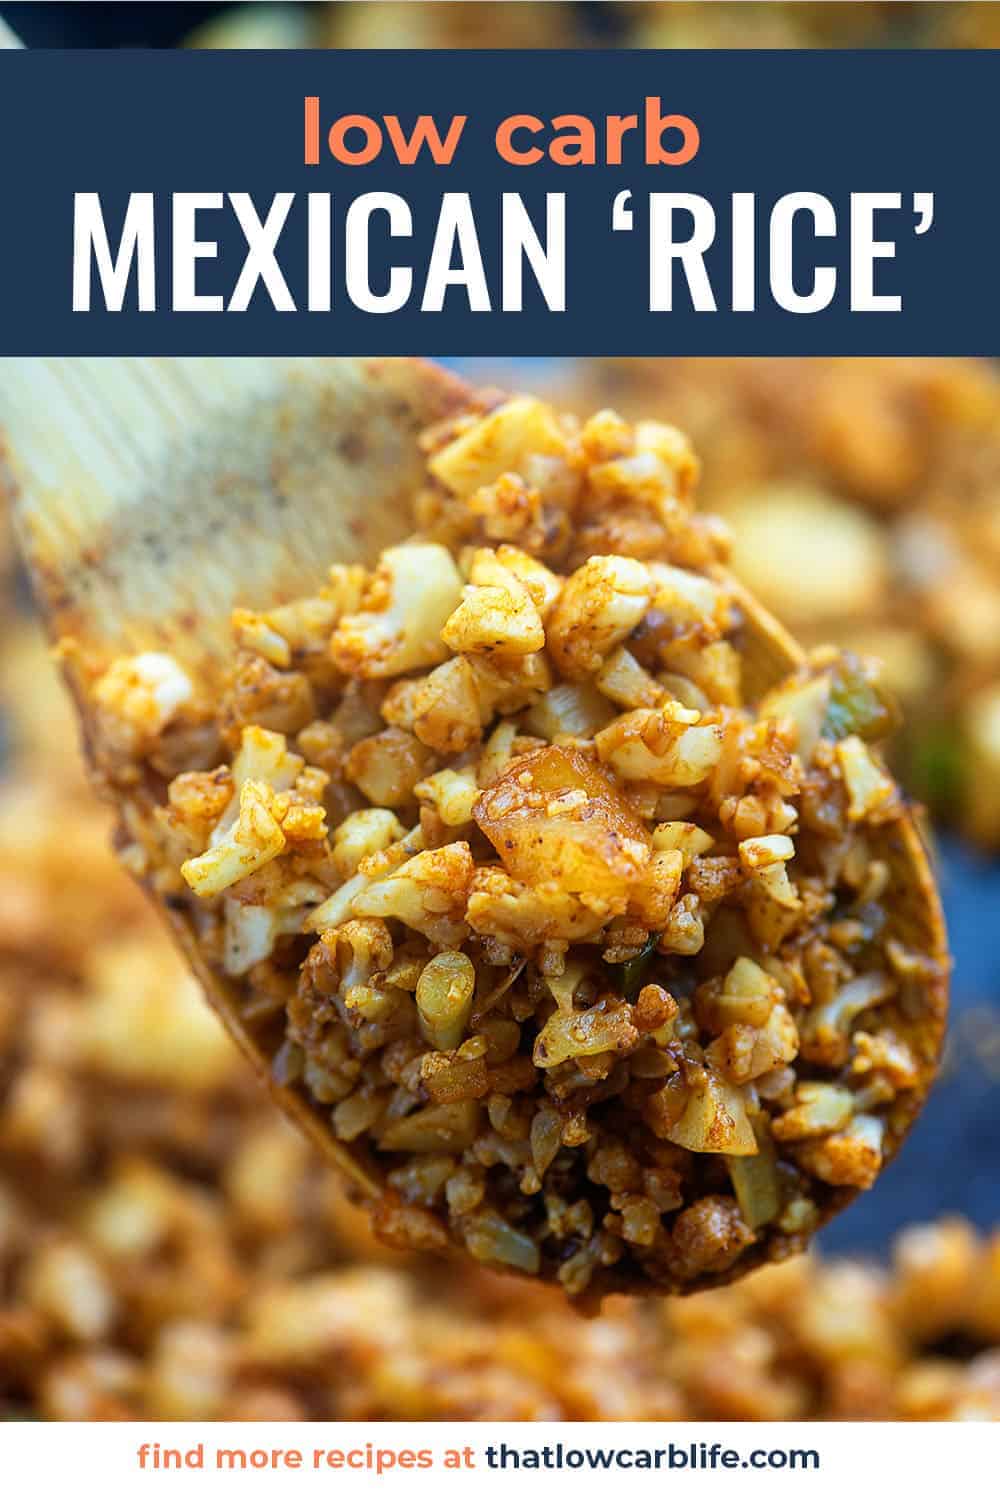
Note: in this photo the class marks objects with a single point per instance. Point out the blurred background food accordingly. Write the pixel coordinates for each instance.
(512, 23)
(169, 1248)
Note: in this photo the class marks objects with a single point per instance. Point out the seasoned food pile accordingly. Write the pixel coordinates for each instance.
(584, 949)
(171, 1249)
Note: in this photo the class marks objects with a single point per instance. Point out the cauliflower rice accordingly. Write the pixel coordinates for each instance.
(580, 943)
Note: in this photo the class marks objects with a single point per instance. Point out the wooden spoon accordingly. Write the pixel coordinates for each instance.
(154, 495)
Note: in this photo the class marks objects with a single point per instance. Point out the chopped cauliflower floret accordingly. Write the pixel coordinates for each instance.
(428, 893)
(497, 612)
(665, 745)
(849, 1158)
(605, 436)
(744, 1053)
(414, 590)
(819, 1109)
(344, 587)
(361, 950)
(652, 898)
(263, 756)
(445, 710)
(452, 794)
(196, 802)
(542, 584)
(338, 907)
(600, 604)
(362, 833)
(502, 907)
(765, 859)
(252, 928)
(253, 632)
(256, 838)
(304, 626)
(508, 684)
(144, 691)
(826, 1029)
(747, 997)
(673, 448)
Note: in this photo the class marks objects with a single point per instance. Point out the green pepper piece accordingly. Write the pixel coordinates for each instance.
(859, 702)
(937, 768)
(635, 970)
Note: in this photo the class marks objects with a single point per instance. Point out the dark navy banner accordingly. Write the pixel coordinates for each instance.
(499, 203)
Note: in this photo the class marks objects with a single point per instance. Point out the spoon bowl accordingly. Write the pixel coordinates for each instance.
(154, 496)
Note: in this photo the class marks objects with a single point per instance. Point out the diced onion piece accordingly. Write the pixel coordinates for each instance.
(564, 986)
(336, 908)
(584, 1033)
(805, 704)
(497, 444)
(489, 1238)
(439, 1127)
(356, 1115)
(714, 1119)
(626, 683)
(574, 709)
(755, 1183)
(686, 837)
(760, 853)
